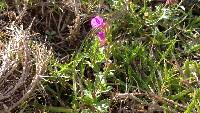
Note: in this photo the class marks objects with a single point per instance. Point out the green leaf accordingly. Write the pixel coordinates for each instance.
(102, 106)
(86, 111)
(195, 99)
(179, 95)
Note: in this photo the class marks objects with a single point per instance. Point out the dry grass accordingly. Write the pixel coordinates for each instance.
(22, 63)
(25, 43)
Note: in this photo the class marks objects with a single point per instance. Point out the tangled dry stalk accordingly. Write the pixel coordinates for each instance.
(22, 63)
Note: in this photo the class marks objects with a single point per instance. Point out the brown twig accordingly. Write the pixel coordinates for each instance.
(167, 101)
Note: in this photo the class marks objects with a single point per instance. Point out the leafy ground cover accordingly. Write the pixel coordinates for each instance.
(142, 58)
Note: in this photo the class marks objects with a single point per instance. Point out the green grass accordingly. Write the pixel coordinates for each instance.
(152, 53)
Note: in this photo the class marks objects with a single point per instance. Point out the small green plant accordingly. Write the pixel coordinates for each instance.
(50, 35)
(2, 5)
(143, 52)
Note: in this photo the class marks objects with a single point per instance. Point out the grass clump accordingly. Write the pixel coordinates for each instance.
(148, 63)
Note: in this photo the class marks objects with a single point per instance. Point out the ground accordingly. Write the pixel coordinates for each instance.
(53, 61)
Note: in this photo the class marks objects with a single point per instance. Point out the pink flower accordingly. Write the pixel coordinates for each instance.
(102, 38)
(97, 22)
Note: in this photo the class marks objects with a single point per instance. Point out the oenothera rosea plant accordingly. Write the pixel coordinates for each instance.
(98, 23)
(102, 27)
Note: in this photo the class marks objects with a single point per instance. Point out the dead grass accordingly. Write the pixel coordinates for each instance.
(27, 32)
(22, 63)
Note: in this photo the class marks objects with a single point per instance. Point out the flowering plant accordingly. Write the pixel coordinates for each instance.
(98, 23)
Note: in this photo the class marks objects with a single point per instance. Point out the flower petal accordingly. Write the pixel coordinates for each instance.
(97, 22)
(102, 38)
